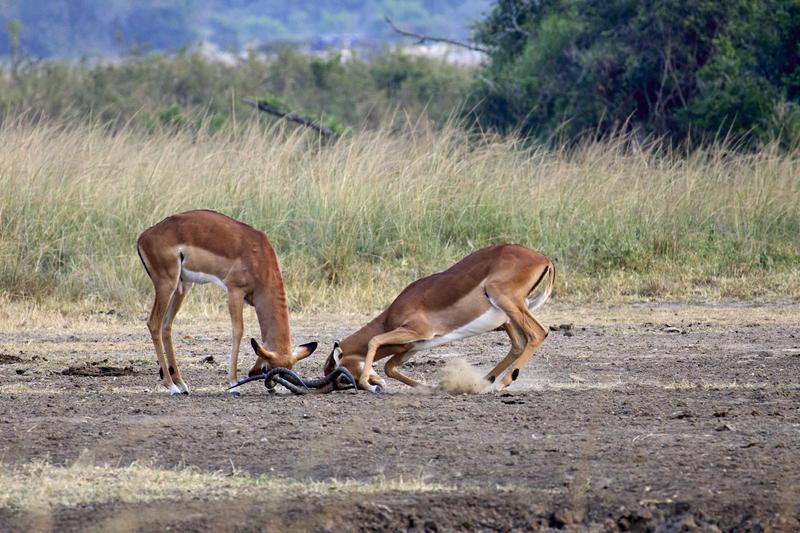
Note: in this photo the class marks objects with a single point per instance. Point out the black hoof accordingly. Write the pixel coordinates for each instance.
(235, 394)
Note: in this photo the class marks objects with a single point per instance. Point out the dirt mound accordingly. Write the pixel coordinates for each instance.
(97, 369)
(7, 359)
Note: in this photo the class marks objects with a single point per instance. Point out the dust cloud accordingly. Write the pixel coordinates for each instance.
(459, 377)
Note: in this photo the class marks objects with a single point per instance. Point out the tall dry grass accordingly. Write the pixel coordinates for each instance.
(355, 221)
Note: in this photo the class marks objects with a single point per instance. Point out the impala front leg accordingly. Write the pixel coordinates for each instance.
(402, 335)
(235, 307)
(392, 370)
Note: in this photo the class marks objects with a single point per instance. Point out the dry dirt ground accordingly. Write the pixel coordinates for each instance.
(640, 417)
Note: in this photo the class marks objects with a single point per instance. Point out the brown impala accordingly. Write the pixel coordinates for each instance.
(208, 247)
(488, 289)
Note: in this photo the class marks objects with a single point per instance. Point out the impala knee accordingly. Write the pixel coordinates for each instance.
(154, 325)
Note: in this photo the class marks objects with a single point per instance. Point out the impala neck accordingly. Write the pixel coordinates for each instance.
(273, 317)
(358, 341)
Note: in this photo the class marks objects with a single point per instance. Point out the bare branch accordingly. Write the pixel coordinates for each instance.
(290, 116)
(422, 38)
(514, 18)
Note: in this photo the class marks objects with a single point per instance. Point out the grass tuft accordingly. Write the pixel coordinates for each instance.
(40, 485)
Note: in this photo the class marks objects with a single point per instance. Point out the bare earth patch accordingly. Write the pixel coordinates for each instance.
(638, 416)
(96, 369)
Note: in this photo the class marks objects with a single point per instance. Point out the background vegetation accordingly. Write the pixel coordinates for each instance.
(189, 91)
(650, 148)
(355, 221)
(685, 69)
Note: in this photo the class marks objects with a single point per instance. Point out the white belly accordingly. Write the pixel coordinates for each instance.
(200, 277)
(488, 321)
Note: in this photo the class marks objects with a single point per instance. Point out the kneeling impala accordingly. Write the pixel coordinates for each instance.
(489, 289)
(208, 247)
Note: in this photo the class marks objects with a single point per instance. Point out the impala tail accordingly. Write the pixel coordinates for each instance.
(539, 301)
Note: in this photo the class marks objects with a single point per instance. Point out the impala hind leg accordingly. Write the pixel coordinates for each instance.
(524, 322)
(402, 335)
(155, 323)
(517, 346)
(174, 306)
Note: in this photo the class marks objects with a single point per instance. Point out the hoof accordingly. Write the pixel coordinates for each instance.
(235, 393)
(174, 389)
(376, 389)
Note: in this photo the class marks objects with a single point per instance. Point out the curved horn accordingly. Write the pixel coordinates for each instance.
(292, 381)
(247, 380)
(286, 375)
(291, 386)
(270, 375)
(343, 372)
(321, 384)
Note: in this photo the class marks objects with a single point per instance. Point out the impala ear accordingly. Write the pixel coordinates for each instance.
(261, 352)
(256, 347)
(337, 352)
(304, 350)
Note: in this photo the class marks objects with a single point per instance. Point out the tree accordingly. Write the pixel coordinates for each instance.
(679, 68)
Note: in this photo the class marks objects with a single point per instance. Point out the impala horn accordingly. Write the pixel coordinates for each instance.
(339, 379)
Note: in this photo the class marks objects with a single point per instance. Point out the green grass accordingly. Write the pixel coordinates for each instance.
(355, 221)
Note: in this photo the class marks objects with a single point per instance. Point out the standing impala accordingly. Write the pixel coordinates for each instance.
(488, 289)
(208, 247)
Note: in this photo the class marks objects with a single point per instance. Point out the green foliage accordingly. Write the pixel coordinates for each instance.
(274, 102)
(171, 117)
(681, 68)
(188, 90)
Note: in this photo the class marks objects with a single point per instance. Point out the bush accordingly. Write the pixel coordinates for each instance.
(148, 90)
(677, 68)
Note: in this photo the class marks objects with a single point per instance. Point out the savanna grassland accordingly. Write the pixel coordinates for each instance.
(651, 150)
(667, 398)
(356, 220)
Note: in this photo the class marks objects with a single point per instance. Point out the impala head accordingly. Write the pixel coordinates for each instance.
(355, 364)
(282, 360)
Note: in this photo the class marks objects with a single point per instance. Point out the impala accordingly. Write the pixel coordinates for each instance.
(489, 289)
(208, 247)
